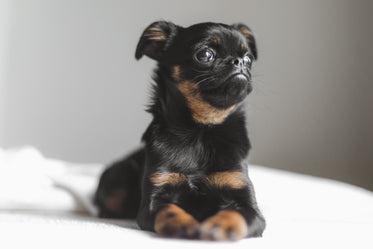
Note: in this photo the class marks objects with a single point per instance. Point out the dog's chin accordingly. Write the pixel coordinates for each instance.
(231, 92)
(238, 86)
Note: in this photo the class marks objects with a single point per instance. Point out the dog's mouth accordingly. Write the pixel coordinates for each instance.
(239, 76)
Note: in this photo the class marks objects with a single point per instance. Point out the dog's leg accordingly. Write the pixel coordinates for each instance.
(232, 224)
(161, 208)
(239, 216)
(118, 193)
(173, 221)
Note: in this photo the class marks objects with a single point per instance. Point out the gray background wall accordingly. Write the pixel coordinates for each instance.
(72, 88)
(5, 12)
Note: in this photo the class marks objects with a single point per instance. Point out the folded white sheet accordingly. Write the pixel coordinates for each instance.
(29, 181)
(47, 203)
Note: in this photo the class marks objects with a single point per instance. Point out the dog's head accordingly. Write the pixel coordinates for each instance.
(210, 63)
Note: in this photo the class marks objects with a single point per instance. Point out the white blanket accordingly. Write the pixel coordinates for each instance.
(47, 203)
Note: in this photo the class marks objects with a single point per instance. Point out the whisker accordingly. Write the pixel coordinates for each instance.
(203, 80)
(199, 76)
(204, 71)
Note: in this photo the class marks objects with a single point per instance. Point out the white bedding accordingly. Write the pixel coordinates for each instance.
(46, 203)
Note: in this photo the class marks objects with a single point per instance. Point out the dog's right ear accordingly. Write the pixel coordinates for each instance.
(155, 39)
(246, 31)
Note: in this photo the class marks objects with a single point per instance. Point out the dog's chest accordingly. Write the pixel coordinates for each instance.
(203, 150)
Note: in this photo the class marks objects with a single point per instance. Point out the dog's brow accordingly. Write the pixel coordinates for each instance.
(215, 40)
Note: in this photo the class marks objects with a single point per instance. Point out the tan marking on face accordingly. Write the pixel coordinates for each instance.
(202, 111)
(115, 201)
(215, 40)
(229, 179)
(243, 47)
(227, 225)
(162, 178)
(173, 221)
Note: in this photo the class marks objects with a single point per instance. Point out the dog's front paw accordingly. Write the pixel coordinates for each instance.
(174, 222)
(225, 225)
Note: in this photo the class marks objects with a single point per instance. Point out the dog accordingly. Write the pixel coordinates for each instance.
(190, 178)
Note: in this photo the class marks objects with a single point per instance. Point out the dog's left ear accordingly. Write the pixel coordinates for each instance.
(155, 39)
(246, 31)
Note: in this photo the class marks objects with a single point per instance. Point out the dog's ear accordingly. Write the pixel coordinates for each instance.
(246, 31)
(155, 39)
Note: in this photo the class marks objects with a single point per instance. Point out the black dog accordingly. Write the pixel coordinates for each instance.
(190, 179)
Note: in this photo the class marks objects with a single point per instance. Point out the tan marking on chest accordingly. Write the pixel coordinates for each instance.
(230, 179)
(202, 112)
(176, 73)
(162, 178)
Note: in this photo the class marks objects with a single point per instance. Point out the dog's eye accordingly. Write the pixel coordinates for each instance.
(205, 56)
(247, 60)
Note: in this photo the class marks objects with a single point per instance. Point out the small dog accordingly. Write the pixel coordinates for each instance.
(190, 179)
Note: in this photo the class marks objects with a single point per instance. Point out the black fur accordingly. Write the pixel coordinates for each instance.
(176, 142)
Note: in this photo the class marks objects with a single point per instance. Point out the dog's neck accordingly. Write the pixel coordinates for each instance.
(176, 97)
(202, 112)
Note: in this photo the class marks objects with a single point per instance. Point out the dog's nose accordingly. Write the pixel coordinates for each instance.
(238, 62)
